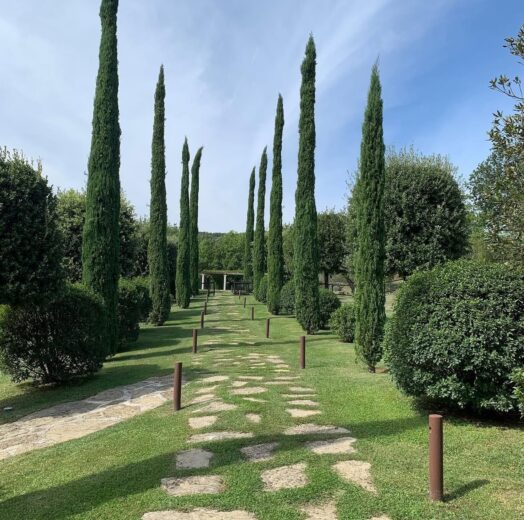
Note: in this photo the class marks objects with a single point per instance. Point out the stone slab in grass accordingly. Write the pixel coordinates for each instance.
(383, 517)
(202, 422)
(273, 383)
(295, 396)
(214, 379)
(249, 391)
(239, 384)
(217, 406)
(254, 399)
(203, 398)
(206, 389)
(356, 472)
(287, 378)
(315, 429)
(303, 402)
(343, 445)
(285, 477)
(259, 452)
(254, 417)
(199, 514)
(252, 378)
(194, 485)
(300, 389)
(219, 436)
(297, 412)
(193, 459)
(323, 511)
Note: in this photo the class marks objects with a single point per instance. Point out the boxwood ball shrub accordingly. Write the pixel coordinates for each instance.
(329, 303)
(342, 322)
(56, 342)
(287, 298)
(262, 289)
(458, 334)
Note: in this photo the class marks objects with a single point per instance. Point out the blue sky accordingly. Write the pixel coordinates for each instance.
(226, 61)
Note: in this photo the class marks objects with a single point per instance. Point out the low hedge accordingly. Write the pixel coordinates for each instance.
(287, 298)
(342, 322)
(328, 303)
(262, 290)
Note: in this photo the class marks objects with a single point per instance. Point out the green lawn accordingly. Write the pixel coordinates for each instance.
(115, 473)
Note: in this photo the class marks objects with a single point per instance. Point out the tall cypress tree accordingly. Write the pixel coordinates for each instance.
(183, 281)
(250, 223)
(157, 248)
(193, 219)
(370, 248)
(259, 245)
(306, 241)
(100, 241)
(275, 252)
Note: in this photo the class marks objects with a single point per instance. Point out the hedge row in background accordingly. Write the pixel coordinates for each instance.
(342, 323)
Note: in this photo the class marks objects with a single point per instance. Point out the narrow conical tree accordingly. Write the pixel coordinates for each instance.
(306, 241)
(157, 248)
(259, 243)
(183, 281)
(250, 223)
(370, 248)
(275, 252)
(100, 241)
(193, 219)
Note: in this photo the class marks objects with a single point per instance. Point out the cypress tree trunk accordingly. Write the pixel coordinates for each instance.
(306, 262)
(157, 248)
(183, 282)
(248, 252)
(193, 219)
(370, 247)
(275, 252)
(100, 241)
(259, 247)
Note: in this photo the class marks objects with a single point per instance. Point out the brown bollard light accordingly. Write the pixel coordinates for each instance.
(177, 387)
(267, 327)
(202, 319)
(436, 458)
(302, 352)
(205, 308)
(253, 312)
(195, 341)
(244, 302)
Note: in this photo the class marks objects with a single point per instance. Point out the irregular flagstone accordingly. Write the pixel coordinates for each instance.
(300, 389)
(324, 511)
(294, 396)
(249, 391)
(357, 472)
(200, 514)
(206, 390)
(272, 383)
(202, 398)
(303, 402)
(383, 517)
(287, 378)
(202, 422)
(285, 477)
(253, 417)
(217, 406)
(195, 485)
(252, 378)
(308, 429)
(259, 452)
(214, 379)
(297, 412)
(333, 446)
(193, 459)
(239, 384)
(282, 370)
(219, 436)
(254, 399)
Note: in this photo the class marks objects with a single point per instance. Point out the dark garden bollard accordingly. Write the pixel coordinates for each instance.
(267, 327)
(244, 302)
(302, 352)
(253, 313)
(195, 341)
(177, 387)
(205, 308)
(202, 319)
(436, 458)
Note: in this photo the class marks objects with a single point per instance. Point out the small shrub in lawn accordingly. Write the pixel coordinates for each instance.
(328, 303)
(458, 334)
(54, 342)
(146, 303)
(287, 298)
(342, 322)
(262, 290)
(134, 305)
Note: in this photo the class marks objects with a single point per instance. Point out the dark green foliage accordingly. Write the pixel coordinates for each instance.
(342, 322)
(275, 251)
(259, 245)
(30, 242)
(287, 298)
(157, 249)
(54, 342)
(288, 240)
(250, 223)
(100, 246)
(370, 251)
(329, 303)
(262, 289)
(222, 251)
(171, 263)
(183, 282)
(518, 379)
(457, 335)
(331, 242)
(193, 223)
(305, 225)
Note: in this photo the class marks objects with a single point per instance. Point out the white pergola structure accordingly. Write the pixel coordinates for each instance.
(225, 274)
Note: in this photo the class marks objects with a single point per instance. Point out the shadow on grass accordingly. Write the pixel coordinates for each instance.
(465, 489)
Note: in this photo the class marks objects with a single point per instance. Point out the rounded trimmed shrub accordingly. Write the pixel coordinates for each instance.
(328, 303)
(56, 342)
(287, 298)
(458, 334)
(262, 289)
(343, 321)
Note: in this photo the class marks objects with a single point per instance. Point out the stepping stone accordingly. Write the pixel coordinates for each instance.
(254, 399)
(214, 379)
(285, 477)
(303, 402)
(383, 517)
(325, 511)
(251, 378)
(315, 429)
(259, 452)
(206, 390)
(193, 459)
(294, 396)
(277, 383)
(217, 406)
(253, 417)
(357, 472)
(283, 365)
(282, 370)
(300, 389)
(199, 514)
(219, 436)
(239, 384)
(249, 391)
(203, 398)
(297, 412)
(333, 446)
(202, 422)
(195, 485)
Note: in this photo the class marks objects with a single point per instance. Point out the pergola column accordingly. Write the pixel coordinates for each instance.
(203, 281)
(225, 281)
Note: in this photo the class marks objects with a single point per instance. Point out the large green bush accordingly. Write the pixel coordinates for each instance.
(457, 335)
(287, 298)
(262, 289)
(329, 303)
(342, 322)
(55, 342)
(518, 379)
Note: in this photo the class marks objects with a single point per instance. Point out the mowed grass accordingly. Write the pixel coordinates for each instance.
(115, 473)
